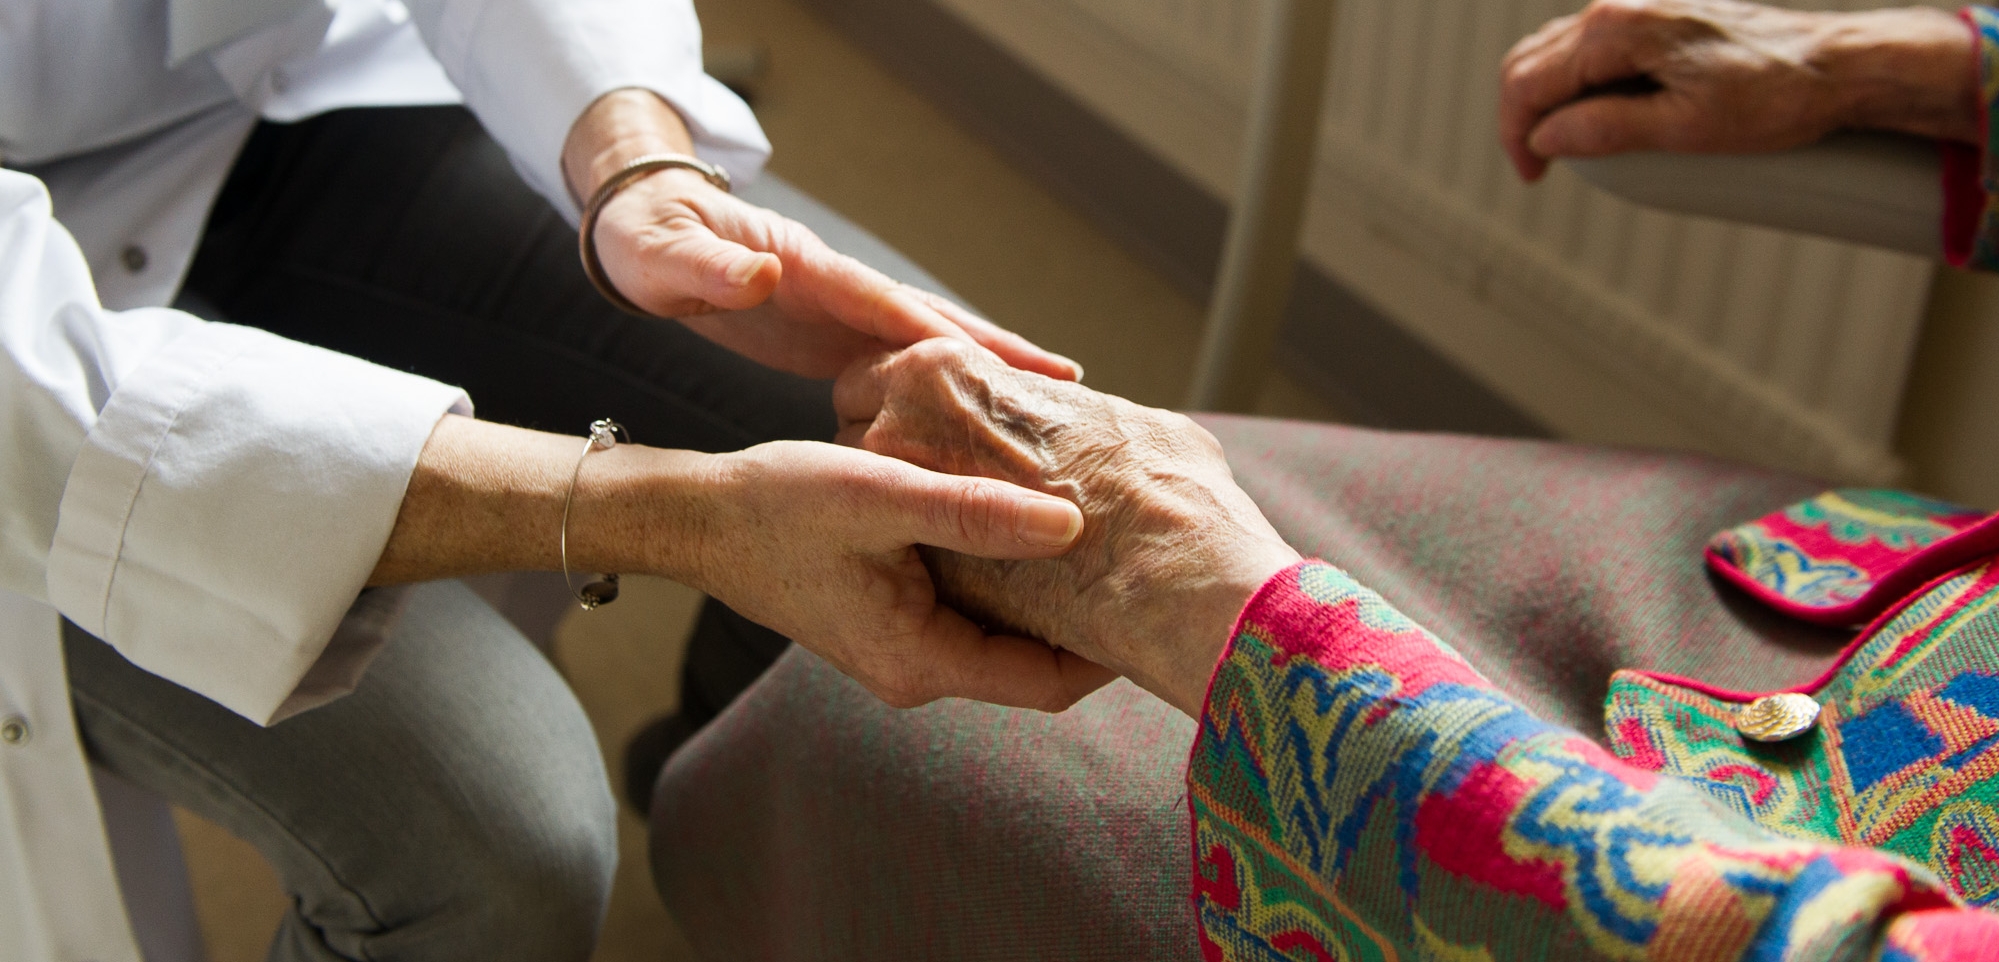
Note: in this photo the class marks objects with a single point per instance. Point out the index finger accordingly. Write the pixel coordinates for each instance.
(1537, 75)
(868, 301)
(1015, 350)
(900, 314)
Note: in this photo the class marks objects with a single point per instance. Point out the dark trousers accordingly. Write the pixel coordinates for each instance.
(404, 236)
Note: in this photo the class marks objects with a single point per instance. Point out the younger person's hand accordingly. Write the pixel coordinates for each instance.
(746, 277)
(819, 543)
(816, 541)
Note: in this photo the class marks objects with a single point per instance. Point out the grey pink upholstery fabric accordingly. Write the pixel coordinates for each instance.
(812, 822)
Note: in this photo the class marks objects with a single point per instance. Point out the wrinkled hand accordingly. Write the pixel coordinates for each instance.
(818, 543)
(1171, 548)
(1726, 76)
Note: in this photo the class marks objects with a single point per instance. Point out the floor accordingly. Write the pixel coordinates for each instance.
(850, 134)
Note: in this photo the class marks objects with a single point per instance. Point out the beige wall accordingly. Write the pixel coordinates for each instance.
(1602, 321)
(1950, 420)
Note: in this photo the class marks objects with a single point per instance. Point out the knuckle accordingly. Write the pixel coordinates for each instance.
(711, 260)
(962, 508)
(938, 354)
(981, 509)
(870, 481)
(1614, 11)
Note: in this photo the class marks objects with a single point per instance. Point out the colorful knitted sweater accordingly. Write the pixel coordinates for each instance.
(1360, 792)
(1971, 174)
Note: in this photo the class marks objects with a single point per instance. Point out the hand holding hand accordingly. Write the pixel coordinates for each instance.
(1171, 548)
(813, 540)
(1726, 76)
(818, 543)
(746, 277)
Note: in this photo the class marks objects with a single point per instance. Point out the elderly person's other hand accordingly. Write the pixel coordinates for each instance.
(1724, 76)
(1171, 548)
(745, 277)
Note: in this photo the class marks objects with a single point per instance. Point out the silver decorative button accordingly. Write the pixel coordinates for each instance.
(15, 730)
(1777, 718)
(134, 258)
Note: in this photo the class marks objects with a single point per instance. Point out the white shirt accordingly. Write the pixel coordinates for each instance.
(156, 462)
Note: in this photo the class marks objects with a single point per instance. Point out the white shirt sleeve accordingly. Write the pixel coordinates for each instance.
(528, 68)
(209, 499)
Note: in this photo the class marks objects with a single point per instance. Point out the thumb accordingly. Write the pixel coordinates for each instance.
(1601, 126)
(981, 517)
(698, 265)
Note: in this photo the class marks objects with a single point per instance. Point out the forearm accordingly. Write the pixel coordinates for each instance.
(619, 127)
(486, 497)
(1908, 70)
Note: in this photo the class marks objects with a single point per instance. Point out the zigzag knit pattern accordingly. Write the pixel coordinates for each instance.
(1359, 792)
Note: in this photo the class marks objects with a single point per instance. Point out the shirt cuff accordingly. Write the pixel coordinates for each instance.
(528, 69)
(228, 506)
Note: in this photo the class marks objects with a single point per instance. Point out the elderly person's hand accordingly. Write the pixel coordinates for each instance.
(744, 276)
(1724, 76)
(1171, 548)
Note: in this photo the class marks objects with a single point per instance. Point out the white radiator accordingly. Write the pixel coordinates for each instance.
(1609, 322)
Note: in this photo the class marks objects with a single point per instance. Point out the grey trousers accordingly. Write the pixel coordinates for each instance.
(455, 806)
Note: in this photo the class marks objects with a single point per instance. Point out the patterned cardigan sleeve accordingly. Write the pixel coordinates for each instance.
(1971, 172)
(1359, 791)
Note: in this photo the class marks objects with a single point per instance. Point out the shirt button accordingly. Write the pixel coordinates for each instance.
(133, 257)
(14, 730)
(1777, 718)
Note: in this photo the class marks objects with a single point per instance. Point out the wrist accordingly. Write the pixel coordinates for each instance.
(1905, 70)
(1179, 670)
(486, 497)
(616, 129)
(641, 510)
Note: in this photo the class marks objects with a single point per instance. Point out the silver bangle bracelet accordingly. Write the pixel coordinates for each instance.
(586, 235)
(603, 437)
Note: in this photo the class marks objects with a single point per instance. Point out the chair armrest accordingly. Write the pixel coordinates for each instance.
(1885, 190)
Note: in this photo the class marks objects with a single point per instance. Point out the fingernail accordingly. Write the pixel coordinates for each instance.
(1072, 363)
(744, 271)
(1049, 522)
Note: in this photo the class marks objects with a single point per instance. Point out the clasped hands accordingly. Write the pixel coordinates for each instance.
(1003, 534)
(987, 533)
(1169, 552)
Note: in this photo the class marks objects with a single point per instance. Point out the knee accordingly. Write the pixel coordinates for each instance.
(542, 894)
(504, 824)
(478, 886)
(525, 877)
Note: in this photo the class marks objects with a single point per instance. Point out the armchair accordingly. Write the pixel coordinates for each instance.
(1885, 190)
